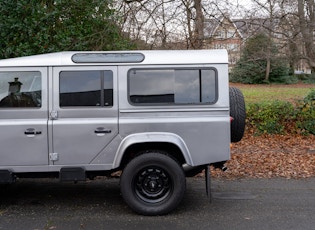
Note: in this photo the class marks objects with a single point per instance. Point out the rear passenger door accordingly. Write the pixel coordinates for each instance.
(23, 116)
(84, 113)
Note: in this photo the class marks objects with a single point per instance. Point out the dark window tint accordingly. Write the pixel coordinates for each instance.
(86, 88)
(20, 89)
(172, 86)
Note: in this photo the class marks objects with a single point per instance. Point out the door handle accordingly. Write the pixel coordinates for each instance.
(32, 132)
(101, 131)
(106, 131)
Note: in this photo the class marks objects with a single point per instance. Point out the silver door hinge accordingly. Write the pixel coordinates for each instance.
(54, 115)
(53, 156)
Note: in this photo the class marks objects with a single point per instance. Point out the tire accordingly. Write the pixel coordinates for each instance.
(153, 184)
(238, 113)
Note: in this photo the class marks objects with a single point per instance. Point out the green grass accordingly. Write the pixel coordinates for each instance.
(260, 93)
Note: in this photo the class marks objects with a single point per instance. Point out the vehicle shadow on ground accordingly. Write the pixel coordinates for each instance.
(101, 195)
(104, 191)
(53, 192)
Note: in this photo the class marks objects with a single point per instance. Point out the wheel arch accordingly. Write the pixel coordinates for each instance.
(168, 142)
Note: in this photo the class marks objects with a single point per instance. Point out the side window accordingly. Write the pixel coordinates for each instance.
(86, 88)
(20, 89)
(172, 86)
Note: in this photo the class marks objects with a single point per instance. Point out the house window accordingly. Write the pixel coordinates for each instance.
(219, 46)
(220, 34)
(232, 47)
(230, 33)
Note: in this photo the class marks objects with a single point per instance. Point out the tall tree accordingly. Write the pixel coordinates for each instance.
(306, 14)
(156, 23)
(32, 27)
(293, 27)
(251, 68)
(170, 24)
(269, 7)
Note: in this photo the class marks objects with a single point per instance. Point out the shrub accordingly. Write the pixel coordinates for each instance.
(305, 114)
(251, 68)
(309, 78)
(248, 72)
(281, 117)
(270, 117)
(280, 72)
(286, 79)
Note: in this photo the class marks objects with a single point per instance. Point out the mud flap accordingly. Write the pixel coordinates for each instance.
(72, 174)
(6, 177)
(208, 182)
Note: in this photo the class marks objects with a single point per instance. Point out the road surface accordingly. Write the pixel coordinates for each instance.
(236, 204)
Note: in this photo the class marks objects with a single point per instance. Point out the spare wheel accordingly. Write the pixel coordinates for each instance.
(237, 113)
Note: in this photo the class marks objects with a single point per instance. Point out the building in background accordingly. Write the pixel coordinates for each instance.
(232, 34)
(222, 33)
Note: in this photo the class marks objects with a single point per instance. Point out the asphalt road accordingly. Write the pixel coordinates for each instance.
(239, 204)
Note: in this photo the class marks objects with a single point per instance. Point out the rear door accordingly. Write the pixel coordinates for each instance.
(23, 116)
(84, 113)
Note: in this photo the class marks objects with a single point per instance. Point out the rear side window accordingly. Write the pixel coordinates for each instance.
(86, 88)
(172, 86)
(20, 89)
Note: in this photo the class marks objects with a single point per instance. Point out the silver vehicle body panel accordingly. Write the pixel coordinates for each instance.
(152, 57)
(74, 137)
(18, 148)
(68, 138)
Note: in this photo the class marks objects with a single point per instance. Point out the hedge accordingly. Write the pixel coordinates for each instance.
(282, 117)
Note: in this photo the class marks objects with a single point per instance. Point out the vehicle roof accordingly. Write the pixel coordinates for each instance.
(167, 57)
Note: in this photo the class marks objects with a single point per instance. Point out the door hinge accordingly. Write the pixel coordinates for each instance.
(54, 115)
(53, 156)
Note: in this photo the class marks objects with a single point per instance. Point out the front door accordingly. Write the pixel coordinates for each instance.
(84, 113)
(23, 117)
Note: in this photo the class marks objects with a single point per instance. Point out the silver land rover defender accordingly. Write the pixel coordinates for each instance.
(157, 116)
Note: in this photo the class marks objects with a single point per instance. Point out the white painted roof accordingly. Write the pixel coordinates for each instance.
(218, 56)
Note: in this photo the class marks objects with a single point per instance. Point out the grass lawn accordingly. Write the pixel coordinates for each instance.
(259, 93)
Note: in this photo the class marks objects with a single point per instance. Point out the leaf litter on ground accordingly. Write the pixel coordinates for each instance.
(287, 156)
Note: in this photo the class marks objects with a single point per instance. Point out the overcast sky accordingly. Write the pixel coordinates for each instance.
(246, 3)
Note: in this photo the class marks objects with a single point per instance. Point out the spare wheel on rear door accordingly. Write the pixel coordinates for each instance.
(237, 113)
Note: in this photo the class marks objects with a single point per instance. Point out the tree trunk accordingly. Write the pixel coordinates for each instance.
(267, 70)
(189, 38)
(199, 25)
(306, 13)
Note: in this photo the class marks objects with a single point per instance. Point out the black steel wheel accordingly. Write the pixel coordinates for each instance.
(153, 184)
